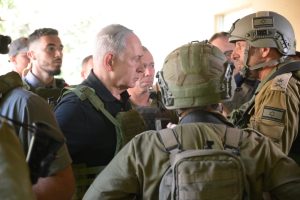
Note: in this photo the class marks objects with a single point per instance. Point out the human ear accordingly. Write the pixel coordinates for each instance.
(265, 52)
(108, 61)
(31, 55)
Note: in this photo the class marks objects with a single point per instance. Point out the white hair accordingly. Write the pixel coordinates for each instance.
(111, 38)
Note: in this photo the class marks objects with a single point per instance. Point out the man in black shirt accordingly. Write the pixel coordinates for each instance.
(91, 136)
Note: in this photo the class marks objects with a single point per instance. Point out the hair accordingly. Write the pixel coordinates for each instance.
(111, 38)
(211, 108)
(219, 35)
(38, 33)
(86, 59)
(145, 49)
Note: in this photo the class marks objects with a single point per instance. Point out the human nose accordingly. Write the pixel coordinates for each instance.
(140, 68)
(58, 53)
(148, 71)
(234, 54)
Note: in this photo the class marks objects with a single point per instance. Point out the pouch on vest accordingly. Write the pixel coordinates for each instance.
(208, 174)
(51, 95)
(131, 124)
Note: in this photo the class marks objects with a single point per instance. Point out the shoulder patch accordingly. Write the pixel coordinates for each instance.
(280, 82)
(273, 114)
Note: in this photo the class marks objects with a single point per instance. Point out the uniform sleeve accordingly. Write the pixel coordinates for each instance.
(268, 169)
(118, 180)
(37, 109)
(283, 177)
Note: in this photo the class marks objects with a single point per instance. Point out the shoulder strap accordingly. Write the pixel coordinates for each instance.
(85, 92)
(169, 140)
(285, 68)
(232, 139)
(289, 67)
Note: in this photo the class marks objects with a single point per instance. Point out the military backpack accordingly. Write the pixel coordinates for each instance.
(204, 173)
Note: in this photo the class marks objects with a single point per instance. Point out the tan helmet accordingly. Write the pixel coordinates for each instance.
(265, 29)
(195, 74)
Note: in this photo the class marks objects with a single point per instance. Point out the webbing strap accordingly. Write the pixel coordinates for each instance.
(169, 140)
(289, 67)
(232, 139)
(84, 92)
(84, 178)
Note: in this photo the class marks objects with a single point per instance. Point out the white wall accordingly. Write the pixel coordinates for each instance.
(162, 25)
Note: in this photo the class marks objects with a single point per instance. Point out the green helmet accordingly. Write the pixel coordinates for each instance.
(195, 74)
(265, 29)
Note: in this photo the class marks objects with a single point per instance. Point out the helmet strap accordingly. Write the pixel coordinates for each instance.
(269, 63)
(245, 70)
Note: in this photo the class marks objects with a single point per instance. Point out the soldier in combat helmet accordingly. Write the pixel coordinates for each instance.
(264, 43)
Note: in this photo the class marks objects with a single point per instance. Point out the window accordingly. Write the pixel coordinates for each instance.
(224, 21)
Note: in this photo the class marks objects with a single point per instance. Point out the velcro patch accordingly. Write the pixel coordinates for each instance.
(280, 82)
(273, 114)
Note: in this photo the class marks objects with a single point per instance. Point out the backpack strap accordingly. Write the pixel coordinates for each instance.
(233, 139)
(169, 139)
(85, 92)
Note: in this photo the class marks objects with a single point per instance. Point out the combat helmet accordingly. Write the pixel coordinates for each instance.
(195, 74)
(265, 29)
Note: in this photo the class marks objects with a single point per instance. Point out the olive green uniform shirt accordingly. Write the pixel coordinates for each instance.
(136, 171)
(276, 110)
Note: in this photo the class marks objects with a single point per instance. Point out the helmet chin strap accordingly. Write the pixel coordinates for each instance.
(245, 70)
(269, 63)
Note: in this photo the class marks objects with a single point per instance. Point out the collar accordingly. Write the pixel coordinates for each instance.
(206, 117)
(100, 89)
(34, 82)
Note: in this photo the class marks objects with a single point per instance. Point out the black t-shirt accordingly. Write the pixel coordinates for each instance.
(91, 137)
